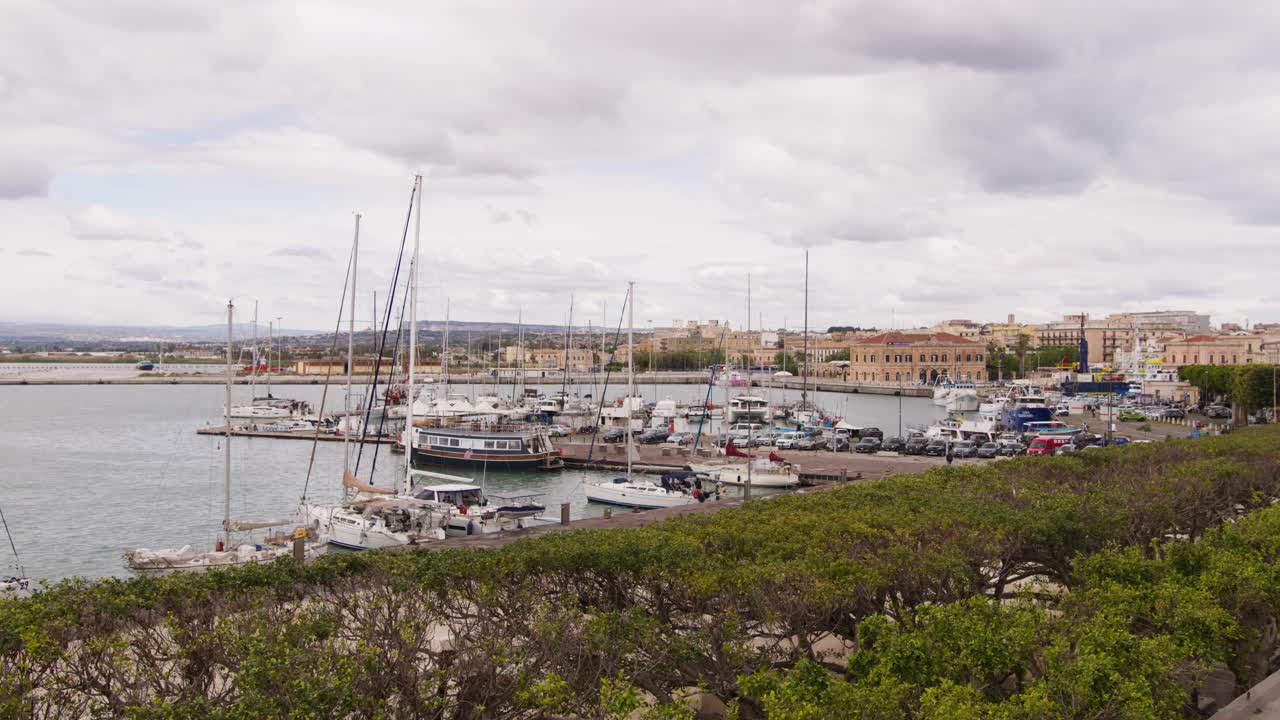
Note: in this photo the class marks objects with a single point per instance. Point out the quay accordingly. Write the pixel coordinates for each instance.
(249, 431)
(816, 466)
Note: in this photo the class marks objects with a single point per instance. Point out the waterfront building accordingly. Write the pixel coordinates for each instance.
(915, 357)
(1215, 350)
(1005, 335)
(1105, 337)
(1187, 321)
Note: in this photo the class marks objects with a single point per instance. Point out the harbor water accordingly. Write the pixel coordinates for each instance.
(90, 470)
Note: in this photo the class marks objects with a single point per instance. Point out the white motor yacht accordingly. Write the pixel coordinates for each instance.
(469, 510)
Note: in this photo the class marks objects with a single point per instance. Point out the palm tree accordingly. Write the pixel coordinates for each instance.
(1020, 349)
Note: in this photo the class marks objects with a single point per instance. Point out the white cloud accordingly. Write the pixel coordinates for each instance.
(957, 159)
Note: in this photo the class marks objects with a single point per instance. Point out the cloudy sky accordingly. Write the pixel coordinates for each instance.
(957, 159)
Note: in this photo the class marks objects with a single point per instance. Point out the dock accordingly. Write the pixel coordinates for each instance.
(249, 431)
(816, 466)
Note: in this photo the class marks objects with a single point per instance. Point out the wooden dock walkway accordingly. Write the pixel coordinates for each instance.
(248, 431)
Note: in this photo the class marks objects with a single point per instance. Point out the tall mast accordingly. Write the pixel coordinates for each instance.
(631, 369)
(253, 375)
(271, 341)
(351, 357)
(445, 360)
(804, 377)
(746, 489)
(519, 354)
(413, 333)
(226, 441)
(568, 339)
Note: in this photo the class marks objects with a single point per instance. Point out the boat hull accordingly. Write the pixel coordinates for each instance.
(624, 497)
(510, 463)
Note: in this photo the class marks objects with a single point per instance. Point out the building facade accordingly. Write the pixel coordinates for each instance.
(1215, 350)
(900, 358)
(1105, 337)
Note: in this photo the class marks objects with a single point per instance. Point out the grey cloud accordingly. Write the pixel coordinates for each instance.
(498, 216)
(30, 252)
(948, 34)
(100, 224)
(21, 177)
(308, 253)
(863, 228)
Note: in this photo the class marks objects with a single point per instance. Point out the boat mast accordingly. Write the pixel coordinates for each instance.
(804, 377)
(445, 360)
(351, 343)
(271, 340)
(631, 369)
(22, 571)
(413, 334)
(746, 489)
(519, 357)
(226, 441)
(253, 375)
(568, 339)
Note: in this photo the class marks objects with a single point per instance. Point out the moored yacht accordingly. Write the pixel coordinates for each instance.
(749, 408)
(469, 510)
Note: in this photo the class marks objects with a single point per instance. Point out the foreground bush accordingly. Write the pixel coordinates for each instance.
(1095, 585)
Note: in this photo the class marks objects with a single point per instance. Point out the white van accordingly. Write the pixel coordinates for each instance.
(788, 440)
(740, 431)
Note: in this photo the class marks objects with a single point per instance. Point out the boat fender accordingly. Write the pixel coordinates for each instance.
(462, 509)
(471, 527)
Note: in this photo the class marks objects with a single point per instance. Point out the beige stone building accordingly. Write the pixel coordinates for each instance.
(1105, 336)
(1215, 350)
(894, 358)
(580, 359)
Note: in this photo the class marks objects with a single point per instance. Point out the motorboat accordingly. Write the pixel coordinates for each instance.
(963, 403)
(946, 392)
(470, 511)
(748, 408)
(14, 586)
(762, 472)
(953, 429)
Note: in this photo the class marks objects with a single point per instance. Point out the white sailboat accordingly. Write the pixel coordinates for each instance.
(17, 583)
(628, 491)
(370, 516)
(225, 553)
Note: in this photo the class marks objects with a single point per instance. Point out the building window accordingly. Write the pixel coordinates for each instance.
(944, 357)
(886, 376)
(897, 376)
(873, 358)
(908, 358)
(935, 357)
(897, 358)
(979, 357)
(1234, 359)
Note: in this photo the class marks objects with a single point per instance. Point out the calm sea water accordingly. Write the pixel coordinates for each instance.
(90, 470)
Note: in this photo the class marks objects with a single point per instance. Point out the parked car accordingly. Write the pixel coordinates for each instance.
(867, 445)
(613, 435)
(680, 438)
(1120, 440)
(1173, 414)
(893, 444)
(936, 448)
(1217, 411)
(764, 439)
(915, 446)
(788, 440)
(965, 449)
(1012, 449)
(1132, 416)
(813, 442)
(559, 431)
(651, 437)
(988, 450)
(871, 432)
(839, 443)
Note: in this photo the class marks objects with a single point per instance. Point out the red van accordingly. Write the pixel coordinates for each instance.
(1046, 445)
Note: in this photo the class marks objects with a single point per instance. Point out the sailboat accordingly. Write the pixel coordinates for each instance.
(225, 552)
(18, 583)
(628, 491)
(266, 407)
(372, 516)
